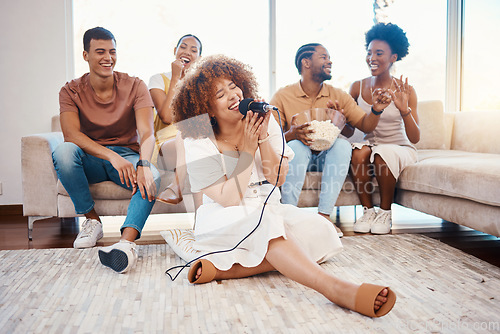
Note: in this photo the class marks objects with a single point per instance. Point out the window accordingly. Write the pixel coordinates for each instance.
(480, 50)
(425, 66)
(338, 25)
(147, 32)
(341, 25)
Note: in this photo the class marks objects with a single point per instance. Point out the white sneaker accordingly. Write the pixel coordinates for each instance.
(364, 223)
(383, 223)
(90, 233)
(120, 257)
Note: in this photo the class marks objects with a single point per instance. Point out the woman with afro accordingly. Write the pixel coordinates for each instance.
(388, 149)
(237, 161)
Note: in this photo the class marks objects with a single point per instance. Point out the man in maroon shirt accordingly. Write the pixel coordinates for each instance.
(102, 113)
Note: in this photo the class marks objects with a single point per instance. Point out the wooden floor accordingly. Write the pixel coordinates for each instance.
(51, 233)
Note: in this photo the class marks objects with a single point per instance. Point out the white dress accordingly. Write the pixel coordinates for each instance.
(221, 228)
(389, 139)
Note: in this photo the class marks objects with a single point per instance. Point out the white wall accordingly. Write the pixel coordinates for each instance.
(35, 62)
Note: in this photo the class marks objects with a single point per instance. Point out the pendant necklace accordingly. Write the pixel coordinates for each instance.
(372, 84)
(234, 146)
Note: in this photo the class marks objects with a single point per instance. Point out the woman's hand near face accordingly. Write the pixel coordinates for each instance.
(265, 122)
(177, 68)
(265, 125)
(251, 131)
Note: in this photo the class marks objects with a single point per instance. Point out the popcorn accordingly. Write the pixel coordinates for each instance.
(325, 134)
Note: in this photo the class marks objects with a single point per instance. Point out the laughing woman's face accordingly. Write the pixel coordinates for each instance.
(187, 51)
(227, 100)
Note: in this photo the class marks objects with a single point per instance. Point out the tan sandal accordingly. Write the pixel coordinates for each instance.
(208, 272)
(170, 199)
(365, 300)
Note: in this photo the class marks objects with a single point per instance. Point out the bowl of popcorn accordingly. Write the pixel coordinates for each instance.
(326, 123)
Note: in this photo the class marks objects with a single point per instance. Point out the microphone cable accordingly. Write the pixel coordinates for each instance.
(188, 264)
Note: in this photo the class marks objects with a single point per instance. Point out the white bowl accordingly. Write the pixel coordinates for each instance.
(327, 124)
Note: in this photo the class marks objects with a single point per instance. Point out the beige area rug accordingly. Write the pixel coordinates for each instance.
(440, 290)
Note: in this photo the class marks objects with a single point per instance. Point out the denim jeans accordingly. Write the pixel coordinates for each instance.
(77, 169)
(334, 163)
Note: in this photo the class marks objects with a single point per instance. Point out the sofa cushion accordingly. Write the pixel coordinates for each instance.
(110, 190)
(309, 197)
(313, 182)
(476, 131)
(432, 127)
(102, 190)
(181, 241)
(468, 175)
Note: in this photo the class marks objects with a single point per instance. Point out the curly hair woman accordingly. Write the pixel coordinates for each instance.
(389, 148)
(234, 161)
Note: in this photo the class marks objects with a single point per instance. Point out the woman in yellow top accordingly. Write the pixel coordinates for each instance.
(169, 150)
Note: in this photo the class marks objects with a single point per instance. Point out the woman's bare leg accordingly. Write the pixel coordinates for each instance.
(172, 152)
(238, 271)
(168, 152)
(180, 161)
(360, 173)
(181, 170)
(288, 258)
(386, 182)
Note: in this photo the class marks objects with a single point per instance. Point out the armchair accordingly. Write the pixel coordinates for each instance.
(45, 197)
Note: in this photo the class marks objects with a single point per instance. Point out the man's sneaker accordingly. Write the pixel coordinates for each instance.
(90, 233)
(120, 257)
(364, 223)
(383, 223)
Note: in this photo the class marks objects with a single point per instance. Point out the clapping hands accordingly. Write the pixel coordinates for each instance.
(381, 98)
(401, 94)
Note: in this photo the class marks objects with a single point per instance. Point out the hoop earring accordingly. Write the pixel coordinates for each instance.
(213, 121)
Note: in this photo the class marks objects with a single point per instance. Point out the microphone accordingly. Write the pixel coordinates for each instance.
(251, 104)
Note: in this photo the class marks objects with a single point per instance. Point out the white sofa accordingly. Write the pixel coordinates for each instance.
(457, 177)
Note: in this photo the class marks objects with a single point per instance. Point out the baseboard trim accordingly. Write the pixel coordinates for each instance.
(11, 210)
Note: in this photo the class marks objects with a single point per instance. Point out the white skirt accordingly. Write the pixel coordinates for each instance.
(222, 229)
(397, 157)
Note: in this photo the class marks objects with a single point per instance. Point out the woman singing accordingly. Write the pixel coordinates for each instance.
(235, 161)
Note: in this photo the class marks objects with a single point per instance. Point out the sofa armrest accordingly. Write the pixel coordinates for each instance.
(39, 178)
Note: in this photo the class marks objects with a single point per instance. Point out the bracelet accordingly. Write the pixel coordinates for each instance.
(260, 141)
(409, 112)
(377, 112)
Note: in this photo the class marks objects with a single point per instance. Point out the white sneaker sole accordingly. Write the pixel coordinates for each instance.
(361, 230)
(381, 232)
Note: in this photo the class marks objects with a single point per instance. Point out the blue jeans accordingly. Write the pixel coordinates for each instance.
(334, 163)
(77, 169)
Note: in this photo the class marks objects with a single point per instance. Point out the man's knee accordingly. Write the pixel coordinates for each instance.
(338, 158)
(66, 154)
(299, 147)
(302, 152)
(342, 147)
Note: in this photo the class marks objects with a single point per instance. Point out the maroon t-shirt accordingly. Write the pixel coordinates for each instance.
(112, 122)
